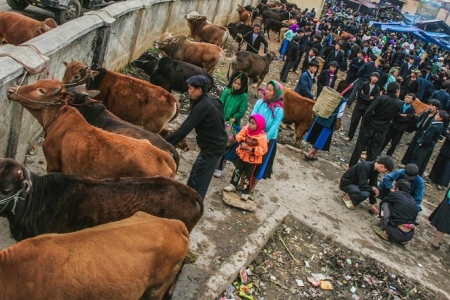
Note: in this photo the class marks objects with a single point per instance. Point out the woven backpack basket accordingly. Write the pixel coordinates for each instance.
(327, 102)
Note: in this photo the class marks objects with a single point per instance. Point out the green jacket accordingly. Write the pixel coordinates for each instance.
(234, 106)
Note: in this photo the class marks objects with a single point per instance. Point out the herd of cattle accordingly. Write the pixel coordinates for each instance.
(108, 160)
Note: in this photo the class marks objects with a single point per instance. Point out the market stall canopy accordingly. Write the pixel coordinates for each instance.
(434, 26)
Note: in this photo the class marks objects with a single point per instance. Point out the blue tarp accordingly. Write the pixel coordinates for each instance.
(437, 35)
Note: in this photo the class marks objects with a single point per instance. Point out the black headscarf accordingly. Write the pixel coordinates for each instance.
(244, 83)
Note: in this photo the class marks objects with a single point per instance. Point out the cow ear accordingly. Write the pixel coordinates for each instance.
(175, 40)
(92, 73)
(93, 93)
(26, 183)
(65, 63)
(65, 96)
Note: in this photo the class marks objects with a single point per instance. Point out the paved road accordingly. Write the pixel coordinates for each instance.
(31, 11)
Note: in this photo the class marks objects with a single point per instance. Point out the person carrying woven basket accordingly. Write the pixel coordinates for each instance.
(321, 131)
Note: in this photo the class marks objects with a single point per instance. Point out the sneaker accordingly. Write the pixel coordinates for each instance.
(230, 188)
(439, 187)
(244, 197)
(378, 230)
(217, 173)
(348, 139)
(251, 196)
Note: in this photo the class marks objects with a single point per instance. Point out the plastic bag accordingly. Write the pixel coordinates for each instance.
(230, 129)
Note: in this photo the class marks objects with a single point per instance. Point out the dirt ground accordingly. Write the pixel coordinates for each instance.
(306, 192)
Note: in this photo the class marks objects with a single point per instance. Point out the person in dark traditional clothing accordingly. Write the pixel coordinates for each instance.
(354, 66)
(360, 182)
(440, 173)
(312, 56)
(400, 124)
(366, 95)
(425, 120)
(321, 132)
(376, 123)
(440, 219)
(291, 57)
(410, 85)
(327, 77)
(398, 215)
(425, 144)
(335, 55)
(254, 39)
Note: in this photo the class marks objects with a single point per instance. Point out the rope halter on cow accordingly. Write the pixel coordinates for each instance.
(53, 103)
(16, 198)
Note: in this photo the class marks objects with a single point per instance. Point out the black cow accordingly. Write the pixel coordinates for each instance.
(168, 73)
(273, 25)
(266, 13)
(57, 203)
(236, 29)
(97, 115)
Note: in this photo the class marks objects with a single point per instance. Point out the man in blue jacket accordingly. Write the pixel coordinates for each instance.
(442, 96)
(305, 83)
(410, 173)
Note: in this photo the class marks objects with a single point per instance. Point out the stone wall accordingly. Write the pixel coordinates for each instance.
(109, 38)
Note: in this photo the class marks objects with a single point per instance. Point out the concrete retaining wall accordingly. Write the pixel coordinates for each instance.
(109, 38)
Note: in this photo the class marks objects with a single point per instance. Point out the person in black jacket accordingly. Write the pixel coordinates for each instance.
(367, 94)
(440, 172)
(335, 55)
(327, 77)
(376, 123)
(410, 85)
(302, 46)
(425, 144)
(360, 182)
(291, 57)
(363, 75)
(398, 214)
(254, 39)
(399, 124)
(315, 43)
(354, 66)
(206, 116)
(425, 120)
(312, 56)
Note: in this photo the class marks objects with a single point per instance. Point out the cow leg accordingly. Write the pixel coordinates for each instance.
(169, 294)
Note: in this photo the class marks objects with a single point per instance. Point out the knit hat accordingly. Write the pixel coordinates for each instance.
(411, 171)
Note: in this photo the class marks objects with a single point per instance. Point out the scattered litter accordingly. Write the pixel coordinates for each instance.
(349, 261)
(353, 289)
(273, 278)
(300, 283)
(318, 277)
(326, 285)
(312, 281)
(420, 265)
(307, 264)
(243, 275)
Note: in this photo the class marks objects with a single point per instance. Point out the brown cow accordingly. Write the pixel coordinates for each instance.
(72, 146)
(17, 29)
(135, 258)
(204, 55)
(204, 31)
(133, 100)
(420, 107)
(342, 36)
(253, 65)
(298, 110)
(245, 16)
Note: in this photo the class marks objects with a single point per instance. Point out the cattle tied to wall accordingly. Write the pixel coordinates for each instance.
(135, 258)
(168, 73)
(72, 146)
(133, 100)
(203, 31)
(206, 56)
(97, 115)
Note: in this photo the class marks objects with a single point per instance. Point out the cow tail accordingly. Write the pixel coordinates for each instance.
(176, 112)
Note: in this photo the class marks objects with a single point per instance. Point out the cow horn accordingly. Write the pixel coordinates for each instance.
(26, 183)
(57, 91)
(45, 27)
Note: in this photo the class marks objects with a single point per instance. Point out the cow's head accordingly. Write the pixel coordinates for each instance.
(240, 8)
(192, 16)
(40, 95)
(82, 96)
(47, 25)
(15, 182)
(77, 72)
(165, 41)
(147, 62)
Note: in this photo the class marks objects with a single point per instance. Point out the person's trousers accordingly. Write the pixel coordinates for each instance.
(356, 118)
(297, 61)
(285, 70)
(394, 136)
(368, 138)
(354, 192)
(352, 96)
(201, 173)
(394, 233)
(248, 169)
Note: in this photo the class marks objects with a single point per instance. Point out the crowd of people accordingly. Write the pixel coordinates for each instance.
(388, 73)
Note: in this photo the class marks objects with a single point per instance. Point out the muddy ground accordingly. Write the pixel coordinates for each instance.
(227, 237)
